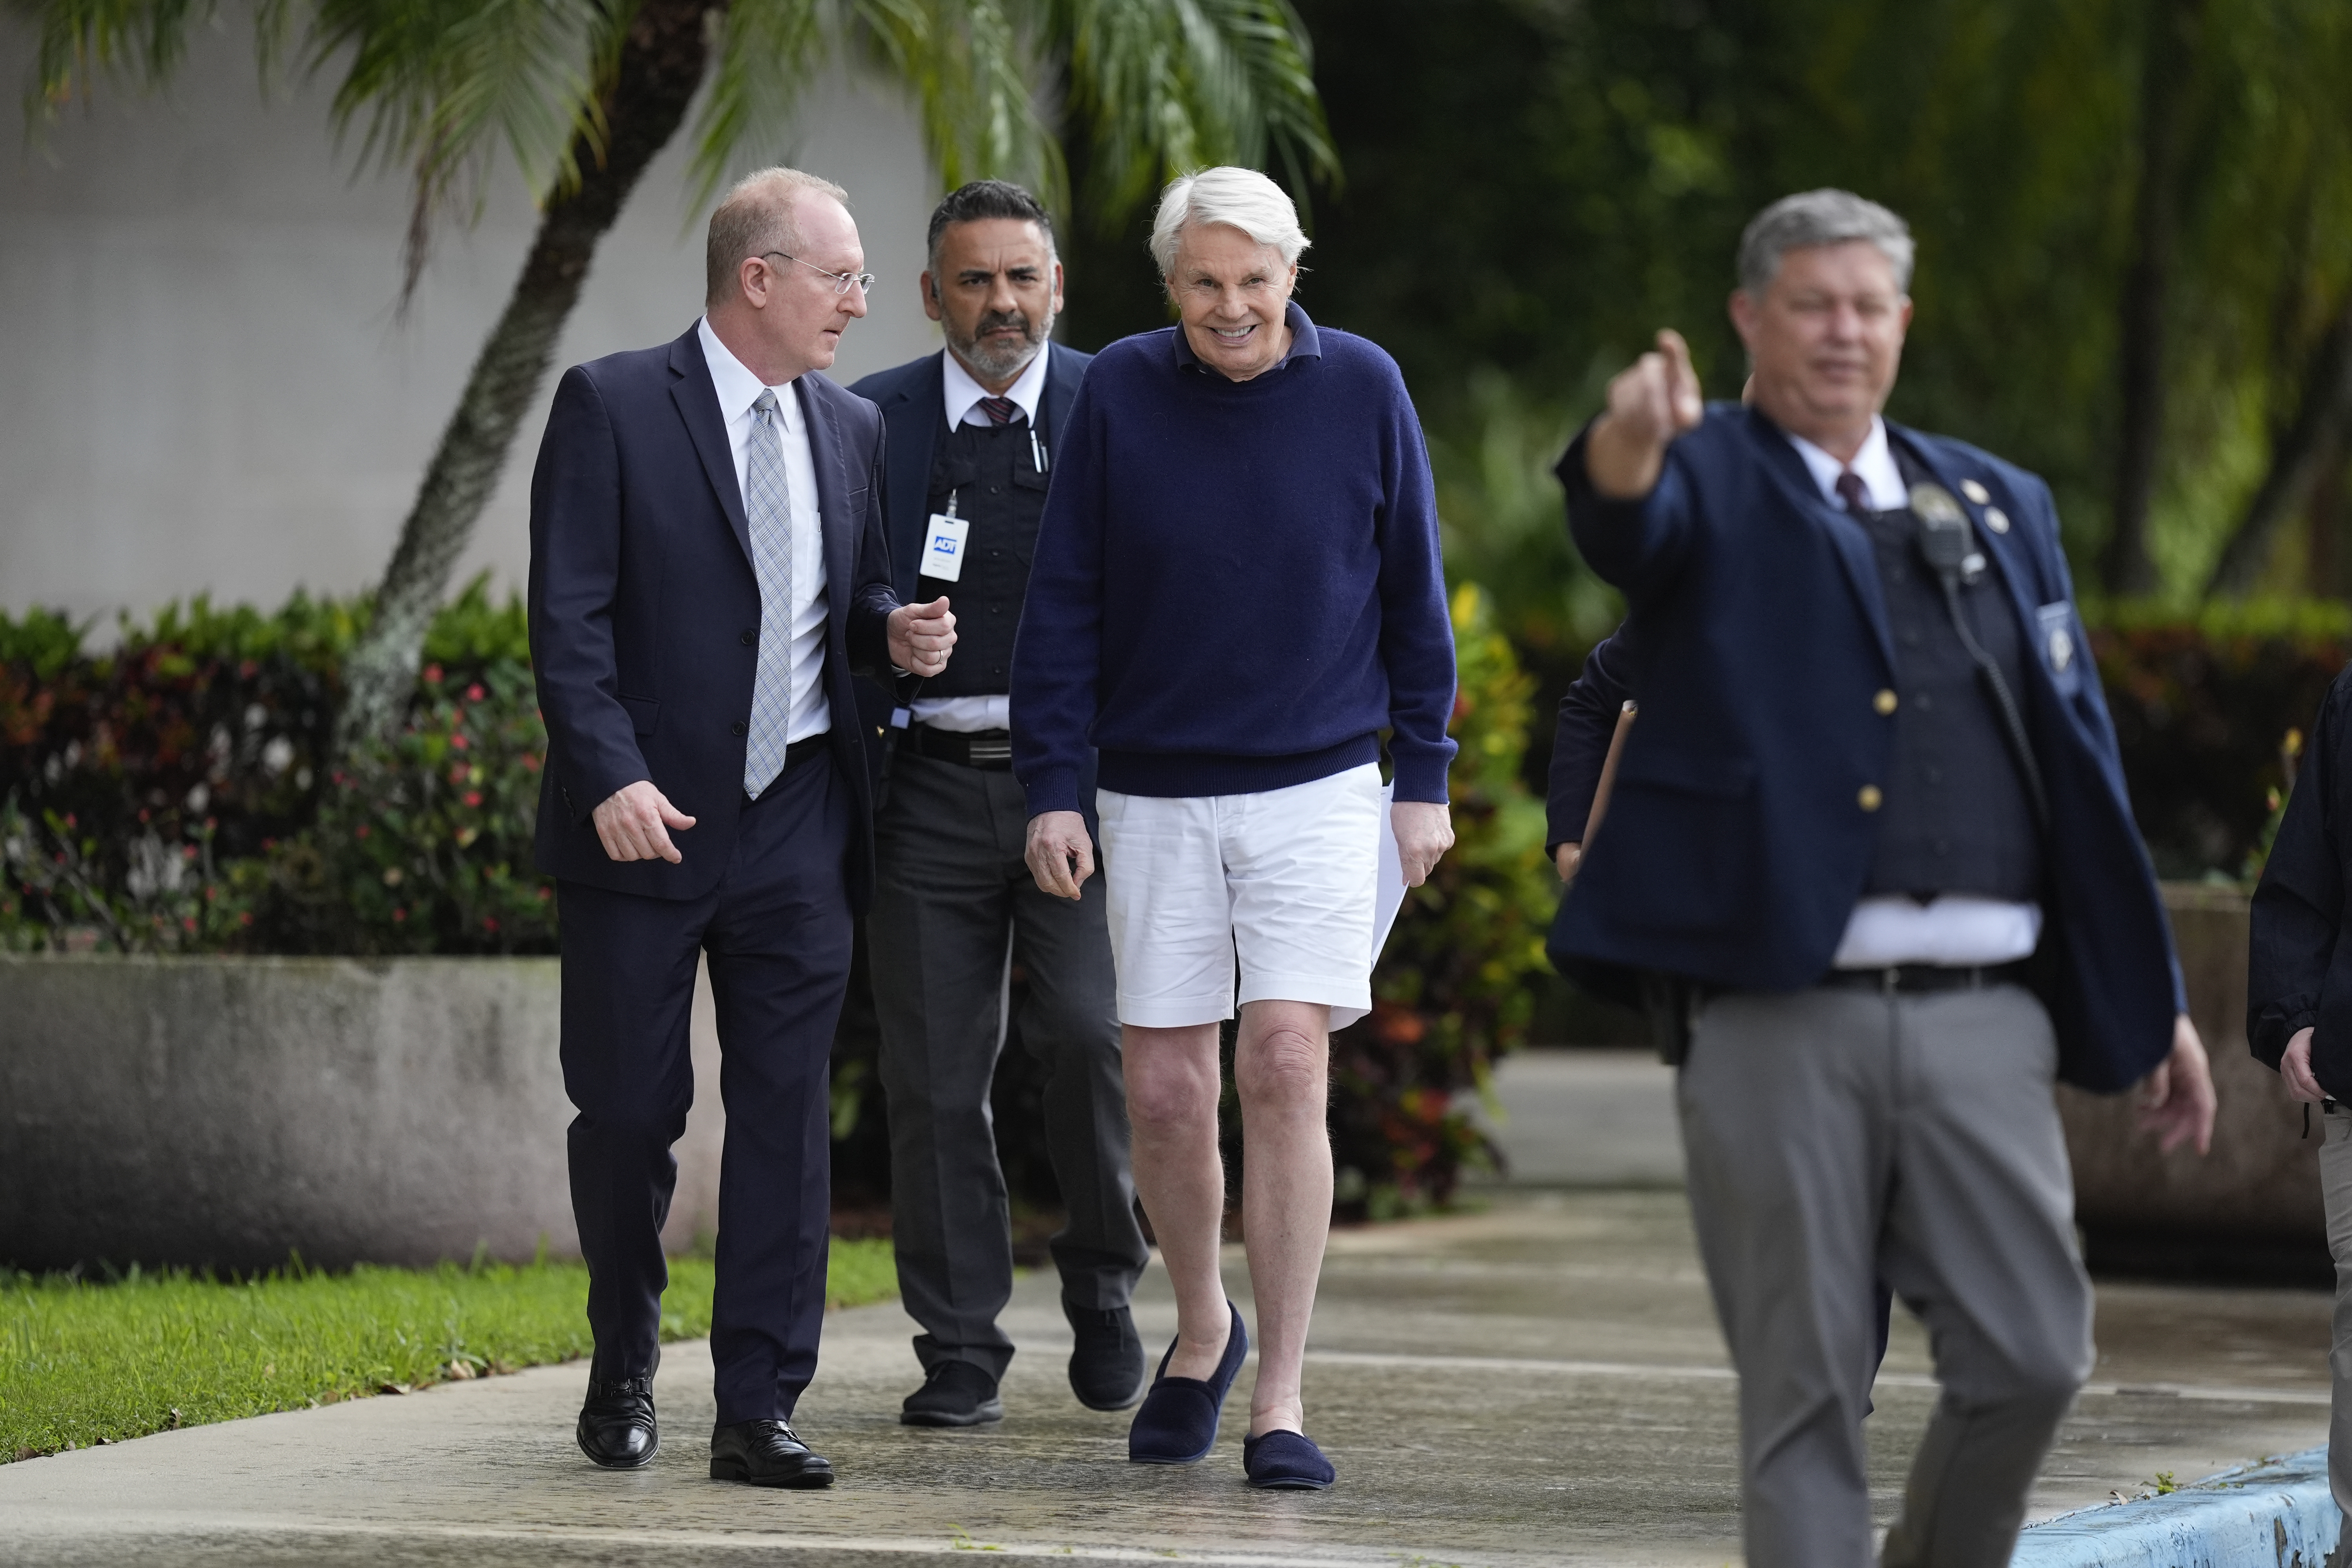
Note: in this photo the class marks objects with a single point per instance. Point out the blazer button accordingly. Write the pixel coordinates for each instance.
(1884, 702)
(748, 638)
(1868, 797)
(741, 728)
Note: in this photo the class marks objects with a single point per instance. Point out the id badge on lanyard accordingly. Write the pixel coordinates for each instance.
(943, 543)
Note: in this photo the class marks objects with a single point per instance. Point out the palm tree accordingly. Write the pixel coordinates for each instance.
(583, 94)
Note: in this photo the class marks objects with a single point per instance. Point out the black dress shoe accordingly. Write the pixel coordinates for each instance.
(766, 1454)
(617, 1428)
(1107, 1362)
(954, 1394)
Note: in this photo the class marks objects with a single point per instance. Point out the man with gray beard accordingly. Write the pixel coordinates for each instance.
(971, 438)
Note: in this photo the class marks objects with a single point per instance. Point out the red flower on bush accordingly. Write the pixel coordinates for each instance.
(361, 831)
(432, 673)
(473, 797)
(399, 916)
(489, 922)
(459, 742)
(474, 693)
(458, 774)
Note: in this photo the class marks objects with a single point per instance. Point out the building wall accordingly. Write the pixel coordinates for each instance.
(204, 386)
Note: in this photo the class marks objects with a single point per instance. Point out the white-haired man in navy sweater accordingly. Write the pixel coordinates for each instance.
(1236, 589)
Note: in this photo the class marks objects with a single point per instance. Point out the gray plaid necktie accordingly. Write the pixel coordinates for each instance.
(768, 508)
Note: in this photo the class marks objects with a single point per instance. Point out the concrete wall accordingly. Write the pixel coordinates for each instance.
(206, 387)
(225, 1111)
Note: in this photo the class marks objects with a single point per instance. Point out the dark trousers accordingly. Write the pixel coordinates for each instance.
(954, 907)
(777, 929)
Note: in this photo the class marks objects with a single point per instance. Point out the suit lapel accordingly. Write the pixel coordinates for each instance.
(698, 405)
(1846, 536)
(828, 455)
(913, 417)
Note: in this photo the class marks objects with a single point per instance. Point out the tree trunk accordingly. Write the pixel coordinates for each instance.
(660, 67)
(2128, 568)
(2322, 418)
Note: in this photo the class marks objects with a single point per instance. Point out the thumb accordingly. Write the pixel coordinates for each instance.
(933, 610)
(673, 818)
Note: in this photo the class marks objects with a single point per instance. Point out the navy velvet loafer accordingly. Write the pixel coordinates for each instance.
(1178, 1421)
(1286, 1461)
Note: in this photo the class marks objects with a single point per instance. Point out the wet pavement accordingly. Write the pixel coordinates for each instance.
(1538, 1383)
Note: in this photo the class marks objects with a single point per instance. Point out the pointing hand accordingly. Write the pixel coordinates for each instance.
(1651, 402)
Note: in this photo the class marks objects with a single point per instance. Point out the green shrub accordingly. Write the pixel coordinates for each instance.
(425, 844)
(2204, 708)
(171, 794)
(1455, 986)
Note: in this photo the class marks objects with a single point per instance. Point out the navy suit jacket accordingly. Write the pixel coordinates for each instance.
(911, 398)
(645, 608)
(1738, 840)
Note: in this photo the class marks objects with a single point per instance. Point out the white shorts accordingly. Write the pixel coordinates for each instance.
(1286, 879)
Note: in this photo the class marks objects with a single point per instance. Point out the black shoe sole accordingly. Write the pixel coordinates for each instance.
(1134, 1398)
(992, 1411)
(800, 1480)
(1291, 1486)
(623, 1464)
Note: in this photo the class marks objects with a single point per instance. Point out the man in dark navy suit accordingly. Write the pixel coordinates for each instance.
(1868, 849)
(707, 565)
(973, 430)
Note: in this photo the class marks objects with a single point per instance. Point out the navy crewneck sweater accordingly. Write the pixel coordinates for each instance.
(1237, 583)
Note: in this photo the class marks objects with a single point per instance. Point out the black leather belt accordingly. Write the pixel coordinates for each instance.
(990, 749)
(1911, 979)
(804, 748)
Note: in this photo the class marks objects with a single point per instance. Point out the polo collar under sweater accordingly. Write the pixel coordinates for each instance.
(1304, 344)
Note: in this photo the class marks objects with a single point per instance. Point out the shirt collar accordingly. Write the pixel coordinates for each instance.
(1875, 463)
(1304, 344)
(738, 387)
(1028, 390)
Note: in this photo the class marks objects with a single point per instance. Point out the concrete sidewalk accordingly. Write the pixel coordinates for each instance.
(1540, 1382)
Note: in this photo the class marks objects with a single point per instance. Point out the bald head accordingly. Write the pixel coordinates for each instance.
(758, 216)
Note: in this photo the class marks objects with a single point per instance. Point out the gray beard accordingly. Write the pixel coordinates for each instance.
(994, 363)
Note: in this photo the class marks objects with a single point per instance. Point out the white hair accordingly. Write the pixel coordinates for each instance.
(1241, 197)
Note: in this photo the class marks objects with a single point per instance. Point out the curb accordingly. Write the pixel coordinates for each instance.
(2275, 1514)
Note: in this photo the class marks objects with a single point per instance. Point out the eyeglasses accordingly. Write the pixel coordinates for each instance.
(842, 282)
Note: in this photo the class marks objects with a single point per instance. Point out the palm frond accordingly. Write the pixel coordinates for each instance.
(1162, 86)
(81, 41)
(767, 52)
(440, 84)
(976, 68)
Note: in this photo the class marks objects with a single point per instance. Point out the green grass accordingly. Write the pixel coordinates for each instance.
(84, 1362)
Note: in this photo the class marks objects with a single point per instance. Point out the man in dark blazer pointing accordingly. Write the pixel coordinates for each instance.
(1868, 850)
(974, 430)
(708, 566)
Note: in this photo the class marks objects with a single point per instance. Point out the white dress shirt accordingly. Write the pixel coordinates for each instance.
(1955, 929)
(738, 390)
(971, 715)
(963, 394)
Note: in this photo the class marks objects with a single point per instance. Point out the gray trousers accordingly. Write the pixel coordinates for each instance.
(1837, 1138)
(954, 907)
(2335, 1188)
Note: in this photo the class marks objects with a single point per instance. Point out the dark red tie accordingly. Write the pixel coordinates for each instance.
(1855, 494)
(1001, 410)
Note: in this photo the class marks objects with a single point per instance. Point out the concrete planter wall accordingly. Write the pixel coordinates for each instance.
(2260, 1186)
(225, 1111)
